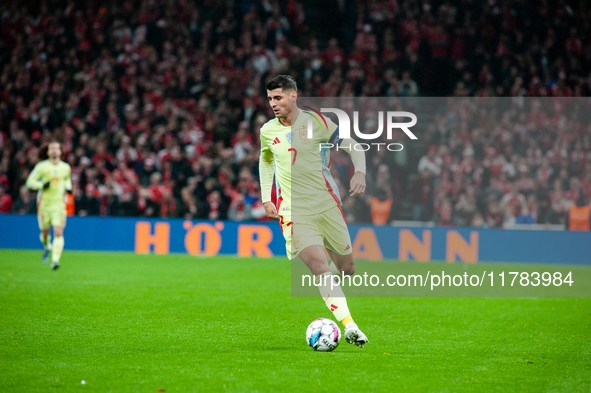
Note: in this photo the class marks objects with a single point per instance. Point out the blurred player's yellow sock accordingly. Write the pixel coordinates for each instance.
(334, 298)
(58, 247)
(46, 241)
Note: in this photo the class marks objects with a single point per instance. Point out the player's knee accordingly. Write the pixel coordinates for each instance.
(349, 270)
(347, 265)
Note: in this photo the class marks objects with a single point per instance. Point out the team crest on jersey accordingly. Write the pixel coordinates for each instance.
(296, 242)
(289, 137)
(304, 135)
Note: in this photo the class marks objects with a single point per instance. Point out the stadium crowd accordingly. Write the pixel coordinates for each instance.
(158, 104)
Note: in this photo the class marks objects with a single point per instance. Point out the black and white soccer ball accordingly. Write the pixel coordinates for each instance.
(323, 335)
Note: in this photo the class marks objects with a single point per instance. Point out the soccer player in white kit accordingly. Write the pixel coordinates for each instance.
(311, 217)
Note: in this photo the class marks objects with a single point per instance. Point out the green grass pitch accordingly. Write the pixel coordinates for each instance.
(143, 323)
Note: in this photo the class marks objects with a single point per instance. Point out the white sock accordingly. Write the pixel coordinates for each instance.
(334, 298)
(58, 247)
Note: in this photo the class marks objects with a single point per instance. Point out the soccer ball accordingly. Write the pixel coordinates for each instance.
(323, 335)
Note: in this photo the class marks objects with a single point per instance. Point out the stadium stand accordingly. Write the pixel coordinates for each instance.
(159, 104)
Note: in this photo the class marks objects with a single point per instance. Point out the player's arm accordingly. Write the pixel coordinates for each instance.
(358, 159)
(68, 184)
(357, 185)
(266, 172)
(33, 181)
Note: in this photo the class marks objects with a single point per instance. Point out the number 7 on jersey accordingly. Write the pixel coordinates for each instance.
(295, 154)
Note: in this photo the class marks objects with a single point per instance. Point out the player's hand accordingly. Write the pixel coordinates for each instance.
(357, 184)
(271, 210)
(45, 186)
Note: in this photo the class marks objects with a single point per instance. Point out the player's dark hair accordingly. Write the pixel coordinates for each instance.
(43, 153)
(283, 82)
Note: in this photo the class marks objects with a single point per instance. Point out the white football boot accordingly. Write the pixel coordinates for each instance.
(355, 336)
